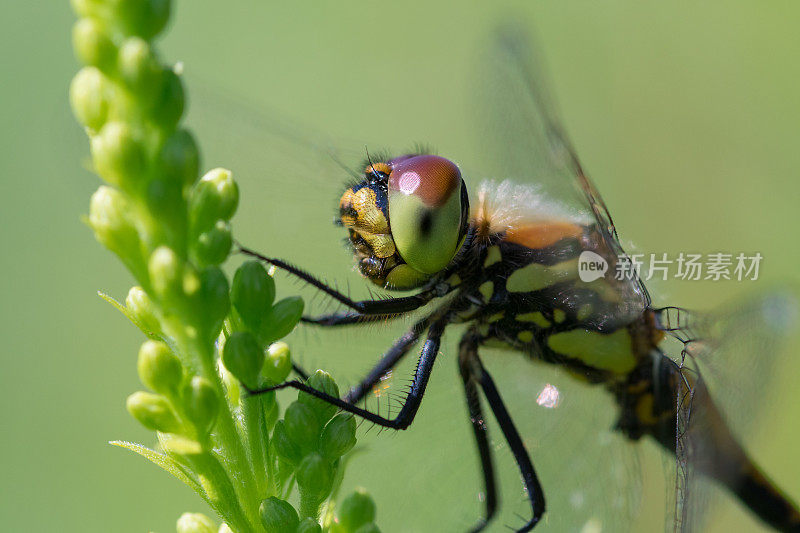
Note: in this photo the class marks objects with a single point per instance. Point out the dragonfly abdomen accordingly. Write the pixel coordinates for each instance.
(661, 401)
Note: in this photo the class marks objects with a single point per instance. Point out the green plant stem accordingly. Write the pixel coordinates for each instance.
(221, 491)
(309, 507)
(225, 429)
(255, 427)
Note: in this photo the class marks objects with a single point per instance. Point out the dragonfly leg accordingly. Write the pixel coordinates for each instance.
(344, 318)
(467, 353)
(388, 306)
(532, 486)
(412, 402)
(398, 350)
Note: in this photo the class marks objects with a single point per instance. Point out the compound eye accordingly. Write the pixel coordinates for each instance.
(425, 211)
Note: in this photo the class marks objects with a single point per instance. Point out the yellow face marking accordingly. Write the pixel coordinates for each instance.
(483, 329)
(559, 315)
(381, 167)
(486, 290)
(497, 316)
(454, 280)
(536, 317)
(492, 256)
(612, 351)
(369, 221)
(534, 276)
(525, 336)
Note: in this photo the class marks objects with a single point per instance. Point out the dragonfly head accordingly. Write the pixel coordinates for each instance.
(407, 219)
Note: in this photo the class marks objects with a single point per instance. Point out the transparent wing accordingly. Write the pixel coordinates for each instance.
(522, 139)
(728, 359)
(590, 474)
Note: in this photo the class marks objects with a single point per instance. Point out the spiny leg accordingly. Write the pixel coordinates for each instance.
(412, 402)
(348, 318)
(344, 318)
(467, 352)
(393, 356)
(532, 486)
(389, 306)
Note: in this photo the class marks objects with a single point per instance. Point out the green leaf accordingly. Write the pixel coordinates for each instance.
(125, 311)
(281, 319)
(165, 462)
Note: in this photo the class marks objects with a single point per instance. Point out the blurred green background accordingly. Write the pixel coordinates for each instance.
(685, 115)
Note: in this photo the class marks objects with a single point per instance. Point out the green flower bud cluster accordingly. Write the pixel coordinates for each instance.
(310, 441)
(205, 337)
(170, 230)
(353, 514)
(255, 309)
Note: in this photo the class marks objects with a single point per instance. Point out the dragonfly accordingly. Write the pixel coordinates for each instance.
(517, 264)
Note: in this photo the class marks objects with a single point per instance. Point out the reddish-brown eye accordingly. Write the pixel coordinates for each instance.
(425, 211)
(431, 178)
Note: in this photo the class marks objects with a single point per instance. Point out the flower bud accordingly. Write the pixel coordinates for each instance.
(283, 446)
(356, 510)
(118, 156)
(180, 157)
(214, 300)
(140, 306)
(166, 273)
(252, 293)
(139, 67)
(181, 446)
(170, 101)
(224, 528)
(89, 99)
(145, 18)
(213, 246)
(214, 197)
(243, 357)
(91, 44)
(338, 436)
(302, 426)
(159, 368)
(323, 382)
(195, 523)
(164, 197)
(309, 525)
(200, 403)
(108, 217)
(314, 477)
(152, 411)
(278, 363)
(281, 319)
(278, 516)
